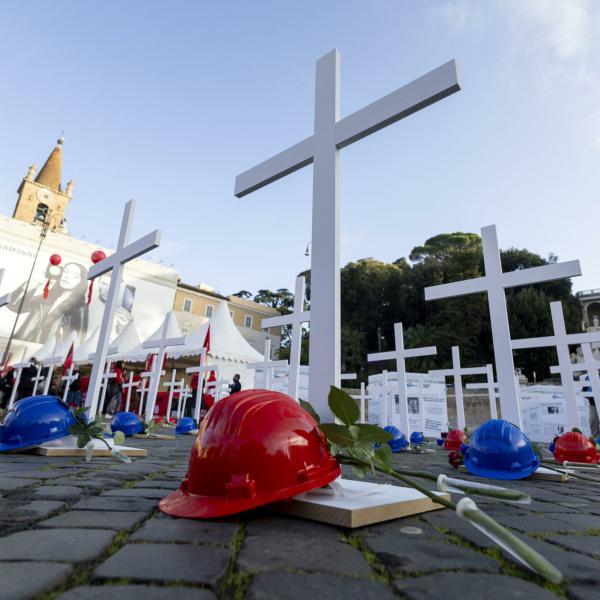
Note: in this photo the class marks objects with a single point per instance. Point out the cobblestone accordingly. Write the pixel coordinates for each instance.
(100, 520)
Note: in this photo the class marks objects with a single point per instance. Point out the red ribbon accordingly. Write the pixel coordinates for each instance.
(46, 290)
(89, 299)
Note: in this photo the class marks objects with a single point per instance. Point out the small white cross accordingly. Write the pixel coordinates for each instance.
(218, 388)
(68, 379)
(145, 376)
(267, 365)
(561, 341)
(399, 355)
(161, 344)
(296, 320)
(363, 398)
(50, 363)
(458, 372)
(490, 385)
(18, 367)
(4, 300)
(108, 374)
(201, 369)
(124, 253)
(171, 385)
(321, 149)
(37, 379)
(495, 283)
(129, 386)
(591, 366)
(185, 392)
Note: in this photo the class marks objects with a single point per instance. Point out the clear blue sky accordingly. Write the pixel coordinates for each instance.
(167, 102)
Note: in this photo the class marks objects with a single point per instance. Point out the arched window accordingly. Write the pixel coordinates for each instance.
(41, 212)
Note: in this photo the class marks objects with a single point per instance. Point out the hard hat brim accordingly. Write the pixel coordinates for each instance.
(26, 445)
(192, 506)
(497, 474)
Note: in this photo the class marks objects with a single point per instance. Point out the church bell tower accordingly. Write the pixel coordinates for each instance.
(42, 199)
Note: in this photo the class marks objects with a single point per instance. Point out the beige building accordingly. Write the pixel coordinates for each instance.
(194, 304)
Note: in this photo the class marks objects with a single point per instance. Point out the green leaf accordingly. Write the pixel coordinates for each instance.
(334, 449)
(119, 438)
(537, 450)
(384, 454)
(76, 429)
(343, 406)
(359, 471)
(308, 407)
(373, 434)
(82, 440)
(337, 434)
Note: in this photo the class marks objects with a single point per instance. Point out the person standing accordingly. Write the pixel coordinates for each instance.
(236, 386)
(190, 407)
(593, 412)
(25, 388)
(115, 388)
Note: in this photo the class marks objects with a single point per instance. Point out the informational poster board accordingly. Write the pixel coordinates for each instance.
(427, 404)
(544, 414)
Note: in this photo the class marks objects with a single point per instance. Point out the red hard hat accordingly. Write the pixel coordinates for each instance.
(254, 447)
(575, 447)
(454, 439)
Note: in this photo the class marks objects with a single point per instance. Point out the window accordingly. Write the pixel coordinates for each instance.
(187, 305)
(209, 310)
(41, 212)
(248, 321)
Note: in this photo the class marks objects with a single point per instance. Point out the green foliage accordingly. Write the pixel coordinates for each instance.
(308, 407)
(343, 407)
(86, 433)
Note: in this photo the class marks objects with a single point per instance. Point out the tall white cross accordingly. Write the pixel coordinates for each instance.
(495, 282)
(561, 341)
(161, 346)
(37, 379)
(267, 365)
(490, 385)
(129, 386)
(68, 379)
(4, 300)
(458, 372)
(400, 354)
(295, 319)
(331, 134)
(124, 253)
(591, 365)
(18, 367)
(347, 376)
(201, 369)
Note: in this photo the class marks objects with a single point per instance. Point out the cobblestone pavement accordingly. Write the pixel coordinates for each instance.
(72, 530)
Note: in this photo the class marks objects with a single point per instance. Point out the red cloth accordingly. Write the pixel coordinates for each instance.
(194, 381)
(84, 382)
(207, 401)
(162, 400)
(119, 375)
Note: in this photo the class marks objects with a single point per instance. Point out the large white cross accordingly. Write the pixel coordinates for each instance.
(490, 385)
(19, 370)
(129, 386)
(591, 366)
(4, 300)
(68, 379)
(561, 341)
(458, 372)
(331, 134)
(161, 344)
(295, 319)
(400, 354)
(495, 282)
(37, 379)
(267, 365)
(201, 369)
(124, 253)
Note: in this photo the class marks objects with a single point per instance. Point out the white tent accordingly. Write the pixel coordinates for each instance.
(139, 353)
(53, 349)
(194, 342)
(127, 341)
(82, 352)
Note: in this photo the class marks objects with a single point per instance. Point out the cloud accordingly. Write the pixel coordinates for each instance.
(459, 14)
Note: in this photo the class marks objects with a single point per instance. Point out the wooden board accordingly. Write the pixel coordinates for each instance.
(542, 474)
(153, 436)
(80, 452)
(387, 503)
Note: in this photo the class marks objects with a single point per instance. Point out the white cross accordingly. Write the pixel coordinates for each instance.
(561, 341)
(37, 379)
(591, 366)
(347, 376)
(161, 346)
(363, 398)
(144, 389)
(218, 387)
(201, 369)
(68, 379)
(171, 385)
(295, 319)
(322, 150)
(19, 369)
(184, 394)
(458, 372)
(399, 355)
(267, 365)
(490, 385)
(4, 300)
(495, 282)
(129, 386)
(108, 374)
(124, 253)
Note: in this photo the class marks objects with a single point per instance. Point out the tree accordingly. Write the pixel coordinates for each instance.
(244, 294)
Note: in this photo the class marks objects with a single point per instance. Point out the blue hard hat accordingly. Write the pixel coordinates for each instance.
(500, 450)
(417, 438)
(185, 425)
(398, 441)
(439, 442)
(464, 448)
(33, 421)
(551, 447)
(127, 422)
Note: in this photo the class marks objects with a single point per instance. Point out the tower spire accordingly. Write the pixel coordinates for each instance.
(50, 173)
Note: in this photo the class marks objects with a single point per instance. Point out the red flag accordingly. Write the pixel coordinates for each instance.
(207, 340)
(69, 360)
(149, 361)
(46, 290)
(90, 289)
